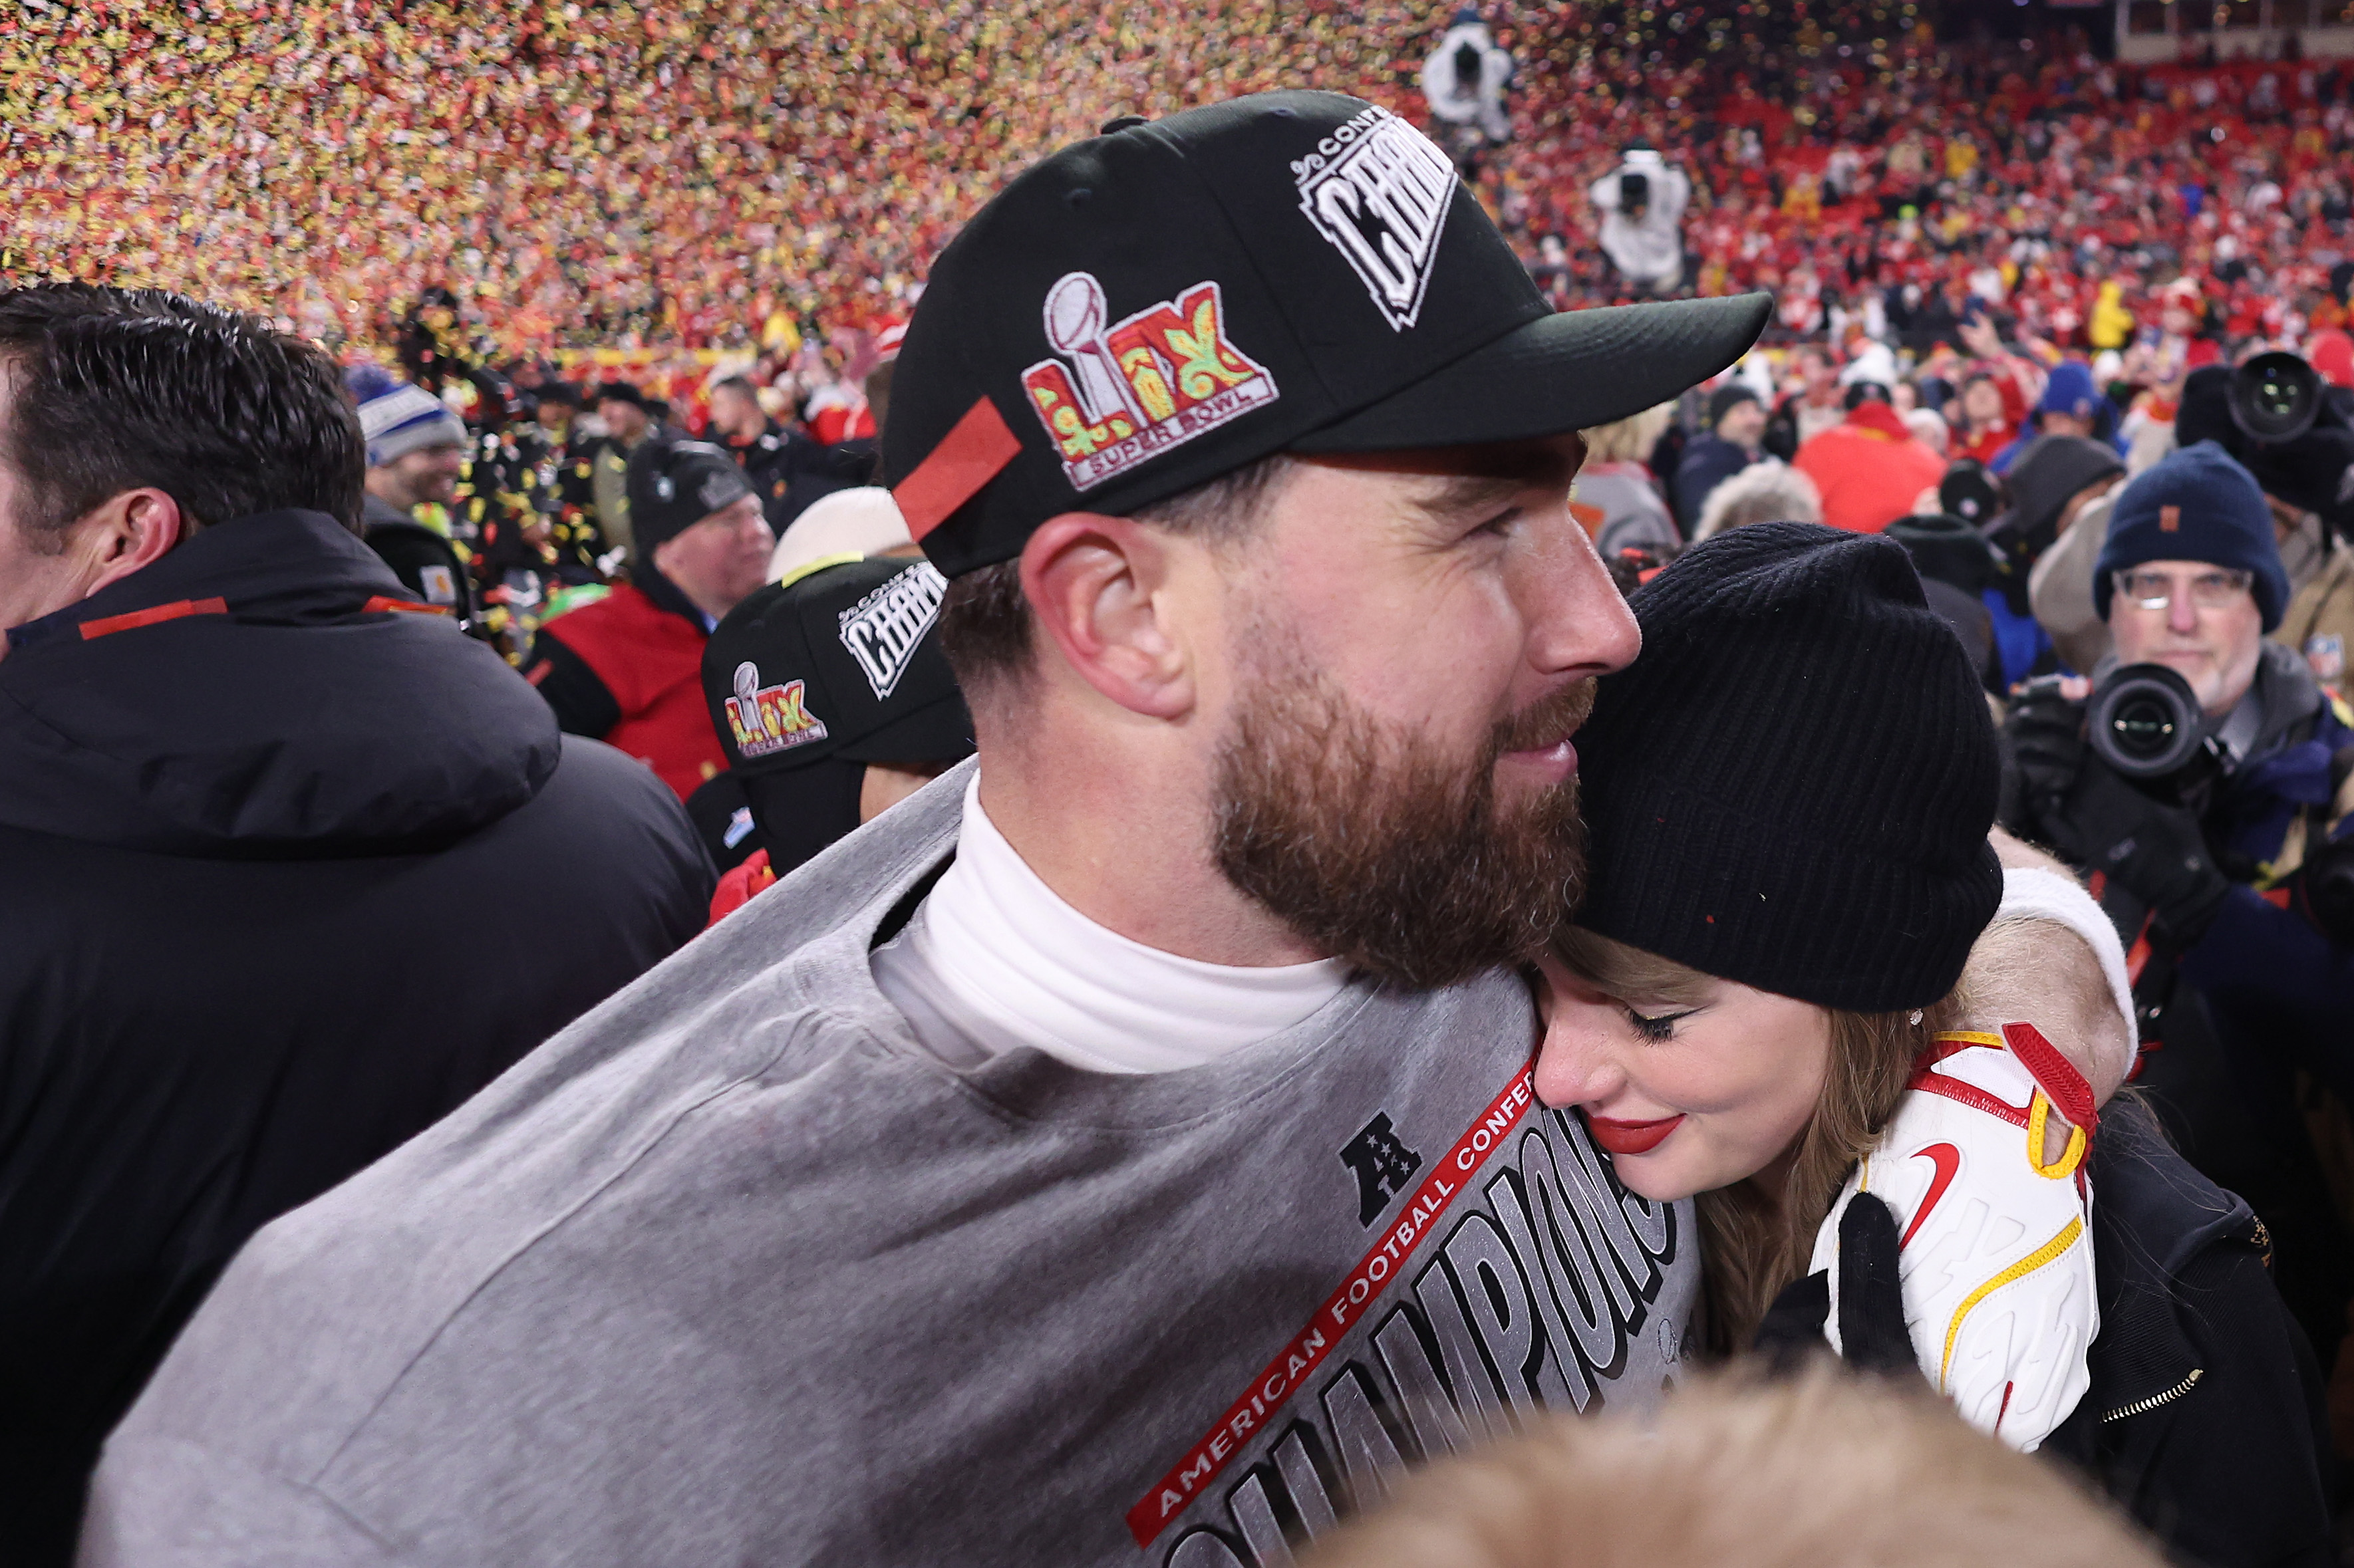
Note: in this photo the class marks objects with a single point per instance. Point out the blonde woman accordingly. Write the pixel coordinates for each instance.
(1616, 496)
(1789, 795)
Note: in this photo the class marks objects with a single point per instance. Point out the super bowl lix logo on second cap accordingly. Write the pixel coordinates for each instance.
(1148, 383)
(769, 719)
(1378, 190)
(884, 630)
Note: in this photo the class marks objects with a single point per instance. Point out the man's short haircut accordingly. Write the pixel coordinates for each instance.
(985, 621)
(115, 389)
(739, 385)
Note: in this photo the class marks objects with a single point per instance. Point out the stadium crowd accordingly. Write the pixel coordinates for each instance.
(512, 545)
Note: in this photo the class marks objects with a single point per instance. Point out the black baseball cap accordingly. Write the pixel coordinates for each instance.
(674, 484)
(811, 680)
(1292, 272)
(843, 662)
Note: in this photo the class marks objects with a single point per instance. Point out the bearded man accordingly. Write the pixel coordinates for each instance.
(1124, 1150)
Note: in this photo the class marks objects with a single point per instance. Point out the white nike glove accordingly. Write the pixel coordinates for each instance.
(1996, 1254)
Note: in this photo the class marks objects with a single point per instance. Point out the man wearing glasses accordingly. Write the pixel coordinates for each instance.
(2228, 878)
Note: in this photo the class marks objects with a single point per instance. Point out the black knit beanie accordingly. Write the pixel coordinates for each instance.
(1792, 786)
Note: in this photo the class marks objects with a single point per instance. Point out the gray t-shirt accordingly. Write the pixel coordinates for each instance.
(733, 1271)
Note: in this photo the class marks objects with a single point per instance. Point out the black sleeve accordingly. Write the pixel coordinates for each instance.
(2246, 1471)
(582, 702)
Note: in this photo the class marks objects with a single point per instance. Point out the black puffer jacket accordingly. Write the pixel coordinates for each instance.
(285, 875)
(2205, 1419)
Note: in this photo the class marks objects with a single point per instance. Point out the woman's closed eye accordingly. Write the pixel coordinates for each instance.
(1655, 1026)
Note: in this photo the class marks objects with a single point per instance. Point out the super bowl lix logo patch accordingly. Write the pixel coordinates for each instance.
(1149, 382)
(1378, 190)
(769, 719)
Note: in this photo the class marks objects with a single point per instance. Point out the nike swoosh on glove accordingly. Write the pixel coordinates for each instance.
(1994, 1249)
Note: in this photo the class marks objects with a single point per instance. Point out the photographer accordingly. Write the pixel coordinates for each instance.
(1642, 204)
(2202, 784)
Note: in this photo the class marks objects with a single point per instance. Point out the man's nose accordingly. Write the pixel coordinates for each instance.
(2182, 614)
(1583, 627)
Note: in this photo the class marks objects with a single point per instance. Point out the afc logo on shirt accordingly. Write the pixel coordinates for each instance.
(1382, 1164)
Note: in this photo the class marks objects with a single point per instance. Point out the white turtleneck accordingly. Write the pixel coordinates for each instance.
(993, 960)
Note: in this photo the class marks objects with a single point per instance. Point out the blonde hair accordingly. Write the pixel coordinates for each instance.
(1768, 491)
(1752, 1242)
(1629, 440)
(1821, 1470)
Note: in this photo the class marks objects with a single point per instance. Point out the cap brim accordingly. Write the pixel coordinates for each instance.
(1569, 371)
(939, 731)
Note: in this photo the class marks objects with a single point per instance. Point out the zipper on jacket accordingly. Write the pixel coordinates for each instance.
(2144, 1406)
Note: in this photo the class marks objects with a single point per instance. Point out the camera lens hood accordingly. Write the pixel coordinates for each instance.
(2276, 397)
(2144, 722)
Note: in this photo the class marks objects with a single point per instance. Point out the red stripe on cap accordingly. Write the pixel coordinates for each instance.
(969, 457)
(402, 606)
(108, 625)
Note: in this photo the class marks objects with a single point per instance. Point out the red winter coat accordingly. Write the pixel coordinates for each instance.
(629, 673)
(1869, 468)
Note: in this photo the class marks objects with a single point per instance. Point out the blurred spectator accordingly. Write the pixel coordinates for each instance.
(2060, 584)
(788, 469)
(2071, 405)
(627, 669)
(1642, 204)
(1615, 495)
(1736, 424)
(2053, 481)
(1956, 566)
(416, 449)
(1767, 491)
(2240, 989)
(833, 703)
(1870, 467)
(565, 483)
(849, 524)
(1825, 1469)
(1927, 427)
(629, 418)
(285, 874)
(1465, 77)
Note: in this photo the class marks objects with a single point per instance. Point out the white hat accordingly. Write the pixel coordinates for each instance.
(848, 524)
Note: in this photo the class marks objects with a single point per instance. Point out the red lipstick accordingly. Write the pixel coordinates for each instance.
(1631, 1136)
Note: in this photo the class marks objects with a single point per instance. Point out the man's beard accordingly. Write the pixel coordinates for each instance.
(1383, 852)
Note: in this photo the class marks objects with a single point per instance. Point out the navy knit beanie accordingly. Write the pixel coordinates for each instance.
(2195, 505)
(1792, 786)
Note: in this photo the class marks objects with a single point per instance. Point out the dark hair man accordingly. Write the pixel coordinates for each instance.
(1123, 1149)
(627, 669)
(256, 805)
(2240, 989)
(788, 469)
(1736, 430)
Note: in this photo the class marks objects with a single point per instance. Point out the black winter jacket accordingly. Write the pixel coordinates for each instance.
(285, 875)
(2204, 1420)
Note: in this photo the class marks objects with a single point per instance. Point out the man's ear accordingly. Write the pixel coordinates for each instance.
(1095, 585)
(126, 532)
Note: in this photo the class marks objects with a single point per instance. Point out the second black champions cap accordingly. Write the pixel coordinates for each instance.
(1291, 271)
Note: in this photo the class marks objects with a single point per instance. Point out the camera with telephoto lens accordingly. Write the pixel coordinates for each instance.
(2276, 397)
(1634, 195)
(2144, 722)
